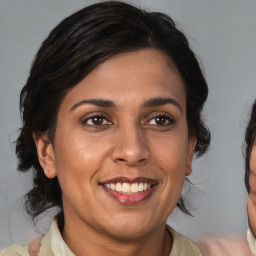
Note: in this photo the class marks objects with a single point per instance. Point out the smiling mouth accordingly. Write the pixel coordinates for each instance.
(127, 188)
(129, 191)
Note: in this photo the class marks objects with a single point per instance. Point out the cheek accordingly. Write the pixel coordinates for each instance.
(173, 163)
(175, 152)
(76, 160)
(172, 158)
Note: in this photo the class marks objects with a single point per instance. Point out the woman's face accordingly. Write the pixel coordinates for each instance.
(121, 148)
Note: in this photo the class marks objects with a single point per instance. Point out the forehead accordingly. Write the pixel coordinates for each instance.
(136, 75)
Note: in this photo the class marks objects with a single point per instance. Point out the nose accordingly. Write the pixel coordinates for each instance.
(131, 147)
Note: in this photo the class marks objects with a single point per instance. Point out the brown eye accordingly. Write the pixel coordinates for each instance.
(96, 120)
(160, 120)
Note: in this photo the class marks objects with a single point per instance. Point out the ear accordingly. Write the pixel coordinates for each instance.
(191, 148)
(45, 153)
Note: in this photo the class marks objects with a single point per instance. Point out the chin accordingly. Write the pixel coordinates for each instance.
(131, 229)
(129, 234)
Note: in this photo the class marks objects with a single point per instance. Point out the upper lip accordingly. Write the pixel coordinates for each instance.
(129, 180)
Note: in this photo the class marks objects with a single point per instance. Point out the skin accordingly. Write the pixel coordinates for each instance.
(128, 141)
(251, 202)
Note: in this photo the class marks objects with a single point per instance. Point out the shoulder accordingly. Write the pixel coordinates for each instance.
(218, 246)
(251, 241)
(23, 250)
(41, 246)
(19, 250)
(183, 246)
(15, 250)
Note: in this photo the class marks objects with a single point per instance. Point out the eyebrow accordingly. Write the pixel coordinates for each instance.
(154, 102)
(96, 102)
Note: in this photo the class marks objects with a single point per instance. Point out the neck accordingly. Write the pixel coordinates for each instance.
(84, 241)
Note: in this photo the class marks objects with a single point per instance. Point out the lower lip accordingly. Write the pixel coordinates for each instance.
(130, 199)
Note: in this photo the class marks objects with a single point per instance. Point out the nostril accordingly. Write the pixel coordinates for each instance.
(130, 162)
(121, 159)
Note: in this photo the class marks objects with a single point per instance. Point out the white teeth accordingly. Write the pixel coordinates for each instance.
(140, 186)
(119, 187)
(134, 188)
(128, 188)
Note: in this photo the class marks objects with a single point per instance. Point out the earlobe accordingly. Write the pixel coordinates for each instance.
(191, 149)
(45, 154)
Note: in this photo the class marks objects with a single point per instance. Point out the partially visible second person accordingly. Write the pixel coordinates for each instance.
(232, 246)
(250, 178)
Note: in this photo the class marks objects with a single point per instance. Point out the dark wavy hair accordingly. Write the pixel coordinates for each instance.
(250, 134)
(71, 51)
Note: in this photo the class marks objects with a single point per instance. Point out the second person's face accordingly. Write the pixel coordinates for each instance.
(252, 176)
(121, 148)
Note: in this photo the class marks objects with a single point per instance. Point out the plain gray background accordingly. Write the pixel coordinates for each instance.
(223, 35)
